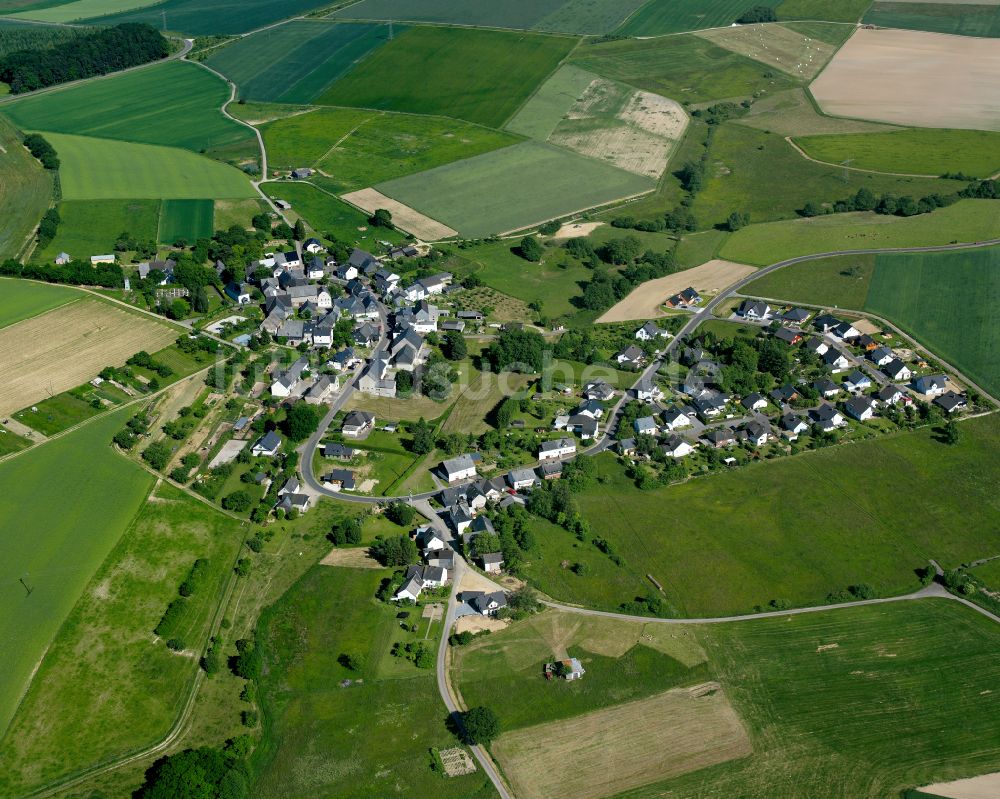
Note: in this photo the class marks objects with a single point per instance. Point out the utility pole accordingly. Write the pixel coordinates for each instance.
(846, 164)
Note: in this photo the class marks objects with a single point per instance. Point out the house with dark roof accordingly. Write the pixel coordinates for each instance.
(340, 480)
(358, 424)
(461, 468)
(897, 370)
(754, 310)
(788, 335)
(951, 401)
(857, 381)
(334, 449)
(860, 408)
(483, 603)
(796, 316)
(267, 446)
(931, 385)
(826, 417)
(792, 426)
(754, 402)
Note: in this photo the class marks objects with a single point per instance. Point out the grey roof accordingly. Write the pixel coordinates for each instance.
(269, 441)
(460, 464)
(492, 558)
(358, 419)
(335, 449)
(559, 443)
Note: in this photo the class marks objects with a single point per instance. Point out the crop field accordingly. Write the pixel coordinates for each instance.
(187, 220)
(62, 348)
(476, 75)
(548, 106)
(827, 520)
(840, 281)
(917, 151)
(91, 227)
(791, 113)
(294, 63)
(659, 17)
(925, 293)
(106, 169)
(966, 220)
(403, 216)
(684, 68)
(825, 694)
(25, 192)
(513, 188)
(81, 9)
(313, 744)
(829, 10)
(20, 299)
(914, 78)
(978, 18)
(57, 532)
(775, 45)
(304, 139)
(69, 720)
(175, 104)
(237, 212)
(207, 17)
(557, 16)
(760, 173)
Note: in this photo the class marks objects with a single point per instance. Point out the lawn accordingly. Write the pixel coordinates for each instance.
(295, 62)
(826, 697)
(684, 68)
(561, 16)
(91, 227)
(79, 515)
(69, 720)
(20, 299)
(329, 215)
(839, 281)
(761, 174)
(25, 192)
(513, 188)
(824, 520)
(206, 17)
(966, 19)
(921, 151)
(186, 220)
(11, 442)
(175, 104)
(313, 743)
(106, 169)
(476, 75)
(81, 9)
(967, 220)
(948, 302)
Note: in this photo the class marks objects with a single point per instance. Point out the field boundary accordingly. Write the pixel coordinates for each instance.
(808, 157)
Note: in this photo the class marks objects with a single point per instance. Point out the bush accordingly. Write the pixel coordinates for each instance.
(400, 513)
(157, 455)
(481, 725)
(549, 228)
(757, 14)
(530, 250)
(195, 579)
(175, 644)
(237, 502)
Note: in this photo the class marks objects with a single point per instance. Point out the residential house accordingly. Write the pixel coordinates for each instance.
(757, 433)
(321, 390)
(410, 590)
(645, 426)
(866, 342)
(951, 401)
(626, 446)
(302, 173)
(754, 402)
(817, 345)
(483, 603)
(676, 447)
(584, 426)
(590, 408)
(559, 448)
(631, 356)
(754, 310)
(860, 408)
(722, 437)
(710, 404)
(286, 382)
(684, 299)
(375, 378)
(826, 417)
(845, 331)
(365, 335)
(897, 370)
(471, 315)
(551, 470)
(492, 562)
(789, 335)
(344, 360)
(892, 395)
(825, 323)
(520, 479)
(826, 388)
(650, 332)
(240, 293)
(297, 502)
(335, 449)
(676, 418)
(796, 316)
(792, 426)
(312, 245)
(267, 446)
(784, 394)
(648, 391)
(930, 385)
(881, 356)
(358, 424)
(598, 390)
(835, 360)
(461, 468)
(857, 381)
(460, 516)
(363, 262)
(340, 480)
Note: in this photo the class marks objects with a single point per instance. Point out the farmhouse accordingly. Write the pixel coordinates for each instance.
(461, 468)
(559, 448)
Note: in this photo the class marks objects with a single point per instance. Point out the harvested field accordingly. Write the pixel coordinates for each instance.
(351, 558)
(914, 78)
(776, 46)
(403, 216)
(644, 301)
(53, 352)
(985, 787)
(599, 754)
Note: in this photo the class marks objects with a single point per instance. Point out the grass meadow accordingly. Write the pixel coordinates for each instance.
(81, 9)
(965, 19)
(209, 17)
(187, 220)
(839, 281)
(304, 139)
(295, 62)
(25, 192)
(683, 68)
(68, 719)
(107, 169)
(313, 744)
(20, 299)
(792, 113)
(965, 221)
(528, 183)
(823, 520)
(477, 75)
(921, 151)
(90, 227)
(175, 104)
(64, 507)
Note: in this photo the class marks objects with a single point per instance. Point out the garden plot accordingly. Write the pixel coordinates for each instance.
(403, 216)
(914, 78)
(776, 46)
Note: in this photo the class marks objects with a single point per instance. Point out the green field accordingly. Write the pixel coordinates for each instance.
(967, 220)
(314, 744)
(827, 722)
(106, 169)
(513, 188)
(294, 63)
(64, 506)
(792, 113)
(659, 17)
(25, 192)
(539, 117)
(476, 75)
(205, 17)
(823, 520)
(359, 148)
(89, 227)
(21, 300)
(559, 16)
(684, 68)
(840, 281)
(81, 9)
(829, 10)
(760, 173)
(175, 104)
(68, 720)
(919, 151)
(329, 215)
(972, 19)
(948, 302)
(187, 220)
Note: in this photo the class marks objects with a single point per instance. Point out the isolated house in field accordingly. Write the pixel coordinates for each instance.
(302, 173)
(461, 468)
(684, 299)
(569, 669)
(268, 445)
(62, 258)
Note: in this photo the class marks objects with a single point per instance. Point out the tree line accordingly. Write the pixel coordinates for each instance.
(27, 36)
(95, 53)
(75, 273)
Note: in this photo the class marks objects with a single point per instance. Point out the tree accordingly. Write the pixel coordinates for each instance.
(530, 250)
(423, 437)
(400, 513)
(404, 382)
(237, 502)
(951, 434)
(301, 421)
(505, 412)
(481, 725)
(736, 221)
(381, 218)
(520, 349)
(299, 230)
(757, 14)
(398, 550)
(157, 455)
(621, 251)
(454, 347)
(549, 228)
(179, 309)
